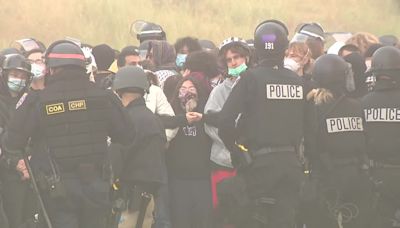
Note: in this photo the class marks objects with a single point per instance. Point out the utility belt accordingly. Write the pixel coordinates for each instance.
(248, 156)
(382, 165)
(276, 149)
(345, 161)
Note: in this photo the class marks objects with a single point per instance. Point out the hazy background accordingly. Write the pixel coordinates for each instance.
(108, 21)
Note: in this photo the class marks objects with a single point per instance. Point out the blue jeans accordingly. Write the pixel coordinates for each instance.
(162, 208)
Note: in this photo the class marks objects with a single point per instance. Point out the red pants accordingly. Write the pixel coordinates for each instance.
(216, 177)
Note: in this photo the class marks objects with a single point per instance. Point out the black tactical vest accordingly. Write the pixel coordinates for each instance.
(382, 116)
(275, 109)
(340, 132)
(75, 116)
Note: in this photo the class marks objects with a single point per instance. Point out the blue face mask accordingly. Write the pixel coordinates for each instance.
(37, 70)
(235, 72)
(180, 60)
(16, 85)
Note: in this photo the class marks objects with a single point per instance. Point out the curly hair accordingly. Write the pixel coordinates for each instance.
(363, 41)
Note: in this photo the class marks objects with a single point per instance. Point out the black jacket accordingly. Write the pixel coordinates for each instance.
(271, 103)
(144, 159)
(188, 155)
(335, 133)
(7, 108)
(382, 115)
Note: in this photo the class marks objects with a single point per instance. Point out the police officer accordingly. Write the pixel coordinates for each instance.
(143, 170)
(335, 144)
(68, 123)
(151, 31)
(382, 116)
(271, 102)
(15, 79)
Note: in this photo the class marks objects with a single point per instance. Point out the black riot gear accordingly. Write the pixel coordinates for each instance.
(67, 125)
(271, 102)
(382, 116)
(64, 53)
(18, 62)
(386, 60)
(271, 40)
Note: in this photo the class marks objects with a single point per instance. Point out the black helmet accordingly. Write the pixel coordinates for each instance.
(147, 31)
(385, 60)
(64, 53)
(388, 40)
(17, 62)
(271, 40)
(313, 30)
(130, 77)
(8, 51)
(331, 72)
(233, 41)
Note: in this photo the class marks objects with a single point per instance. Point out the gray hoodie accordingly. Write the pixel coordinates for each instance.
(219, 153)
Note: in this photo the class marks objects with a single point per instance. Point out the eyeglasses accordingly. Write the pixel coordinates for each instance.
(36, 61)
(191, 89)
(234, 58)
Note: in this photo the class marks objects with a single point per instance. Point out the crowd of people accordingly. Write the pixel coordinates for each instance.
(267, 132)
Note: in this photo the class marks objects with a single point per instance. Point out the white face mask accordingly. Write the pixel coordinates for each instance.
(37, 70)
(291, 64)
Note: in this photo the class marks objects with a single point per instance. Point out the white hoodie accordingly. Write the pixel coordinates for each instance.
(157, 102)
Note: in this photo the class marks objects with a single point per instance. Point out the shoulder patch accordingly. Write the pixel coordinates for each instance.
(55, 108)
(77, 105)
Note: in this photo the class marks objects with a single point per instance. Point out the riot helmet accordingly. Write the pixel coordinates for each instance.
(64, 53)
(16, 74)
(271, 40)
(147, 31)
(17, 62)
(129, 77)
(29, 46)
(334, 73)
(386, 60)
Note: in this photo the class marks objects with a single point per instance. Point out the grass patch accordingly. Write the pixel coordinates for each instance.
(108, 21)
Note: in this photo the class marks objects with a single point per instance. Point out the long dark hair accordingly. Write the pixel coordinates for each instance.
(202, 95)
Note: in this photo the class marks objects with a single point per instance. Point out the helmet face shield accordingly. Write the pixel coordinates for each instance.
(299, 38)
(144, 30)
(26, 46)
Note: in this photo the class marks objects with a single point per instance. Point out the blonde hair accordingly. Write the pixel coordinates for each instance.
(320, 96)
(363, 41)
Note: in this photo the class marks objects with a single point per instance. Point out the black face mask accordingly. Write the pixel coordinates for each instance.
(358, 67)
